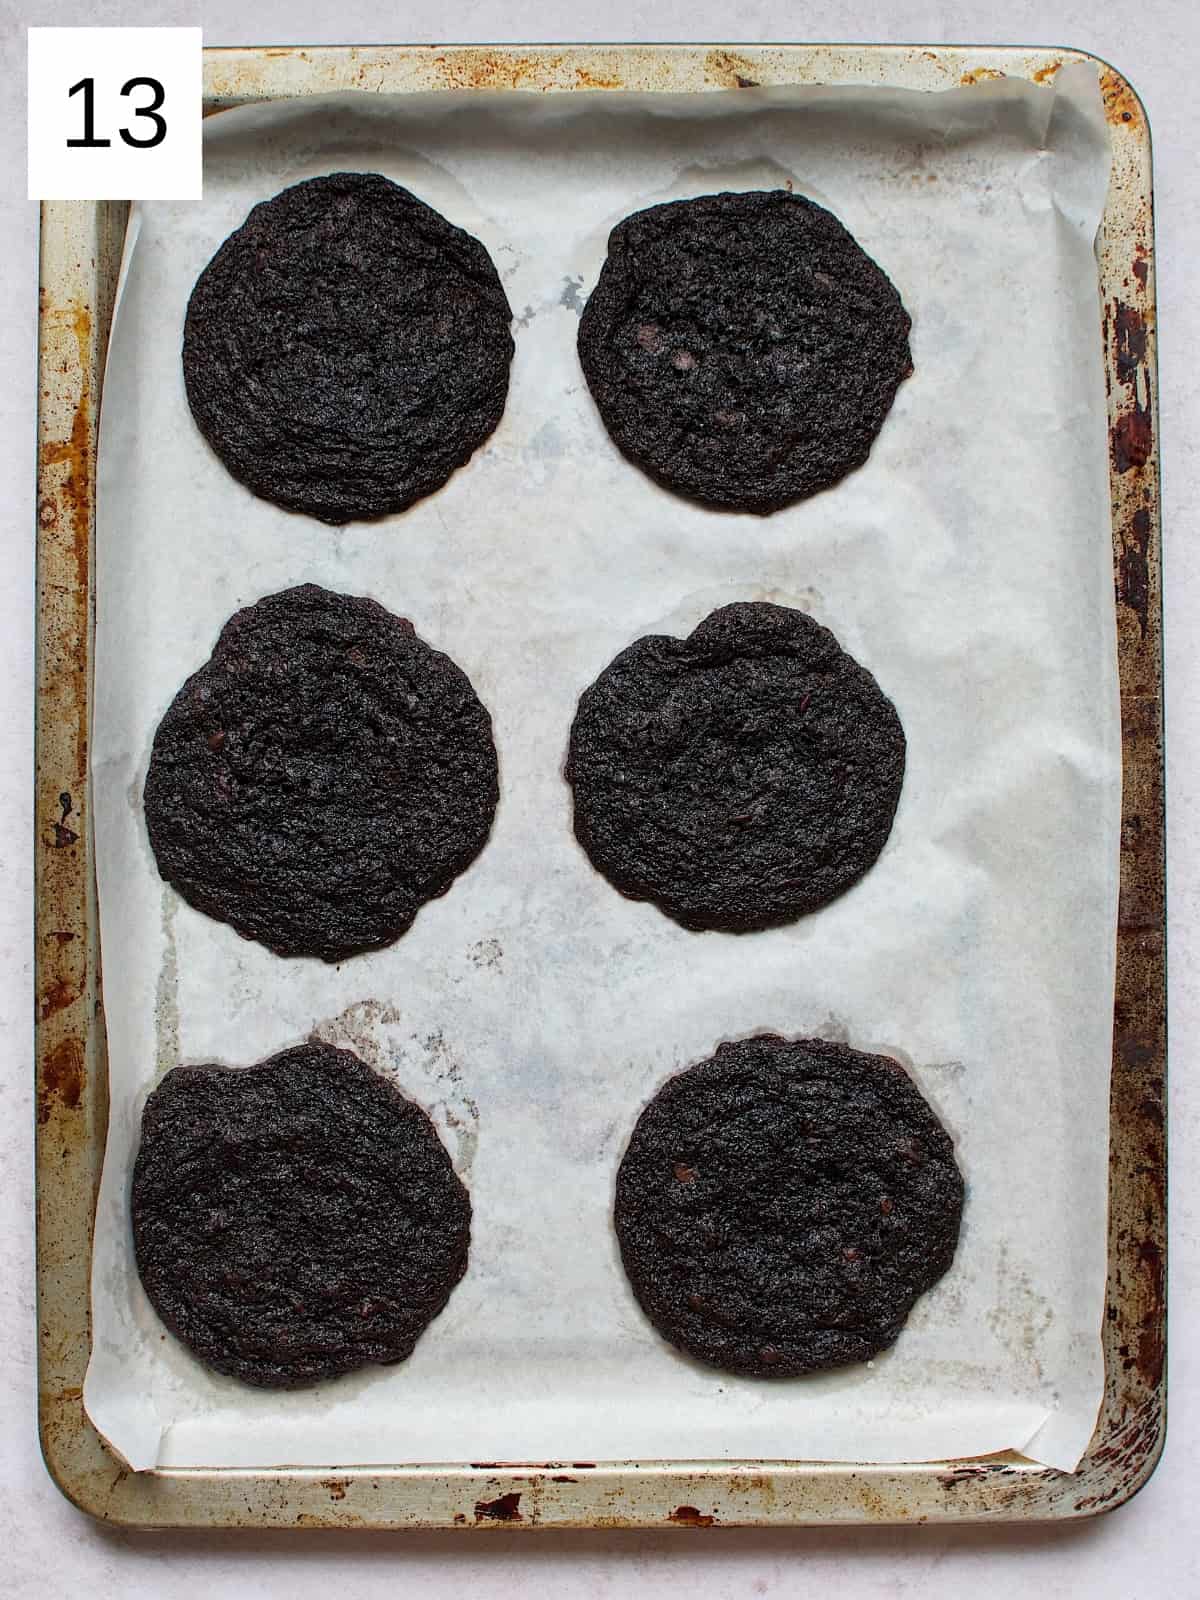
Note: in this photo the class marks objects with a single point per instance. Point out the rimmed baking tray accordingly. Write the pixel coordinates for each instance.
(81, 245)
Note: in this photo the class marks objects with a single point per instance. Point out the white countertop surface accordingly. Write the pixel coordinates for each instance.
(1149, 1548)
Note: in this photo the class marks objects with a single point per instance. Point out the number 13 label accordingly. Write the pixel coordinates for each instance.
(114, 113)
(87, 86)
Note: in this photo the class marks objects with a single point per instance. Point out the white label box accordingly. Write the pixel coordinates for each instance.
(115, 114)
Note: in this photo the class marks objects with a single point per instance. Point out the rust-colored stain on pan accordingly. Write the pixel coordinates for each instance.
(691, 1517)
(66, 478)
(1133, 1419)
(81, 246)
(504, 1508)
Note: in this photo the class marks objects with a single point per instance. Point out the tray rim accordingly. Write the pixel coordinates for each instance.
(80, 248)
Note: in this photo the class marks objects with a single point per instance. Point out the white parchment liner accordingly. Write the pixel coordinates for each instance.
(533, 1010)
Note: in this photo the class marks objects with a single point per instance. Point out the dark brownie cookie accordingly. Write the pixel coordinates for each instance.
(295, 1219)
(347, 348)
(737, 778)
(323, 775)
(783, 1205)
(742, 348)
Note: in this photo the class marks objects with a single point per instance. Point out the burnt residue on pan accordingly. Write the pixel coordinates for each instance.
(1132, 429)
(66, 494)
(62, 1077)
(1130, 1434)
(1133, 564)
(691, 1517)
(505, 1508)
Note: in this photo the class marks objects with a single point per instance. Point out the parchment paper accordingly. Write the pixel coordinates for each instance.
(533, 1010)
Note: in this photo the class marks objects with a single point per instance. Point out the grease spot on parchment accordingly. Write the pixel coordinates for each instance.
(952, 1070)
(424, 1067)
(834, 1028)
(459, 1110)
(509, 267)
(356, 1028)
(756, 172)
(570, 297)
(1021, 1316)
(487, 954)
(612, 1131)
(944, 1305)
(938, 1081)
(696, 605)
(545, 452)
(166, 992)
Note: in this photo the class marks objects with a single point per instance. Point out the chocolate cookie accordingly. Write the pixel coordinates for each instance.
(737, 778)
(321, 777)
(347, 348)
(783, 1205)
(295, 1219)
(742, 348)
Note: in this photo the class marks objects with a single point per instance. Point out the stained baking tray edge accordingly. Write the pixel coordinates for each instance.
(80, 255)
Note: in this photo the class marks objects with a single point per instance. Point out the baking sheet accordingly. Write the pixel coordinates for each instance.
(533, 1010)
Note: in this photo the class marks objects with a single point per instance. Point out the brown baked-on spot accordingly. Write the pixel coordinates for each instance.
(1132, 438)
(1150, 1108)
(1131, 442)
(951, 1480)
(980, 75)
(503, 1509)
(1120, 102)
(1151, 1349)
(62, 1077)
(57, 995)
(69, 683)
(594, 80)
(64, 836)
(1047, 74)
(730, 70)
(494, 69)
(1133, 568)
(690, 1517)
(1129, 331)
(336, 1487)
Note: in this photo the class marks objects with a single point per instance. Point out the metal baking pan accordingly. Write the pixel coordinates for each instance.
(81, 244)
